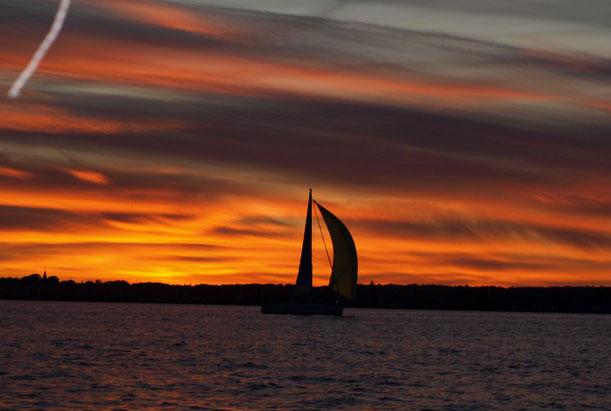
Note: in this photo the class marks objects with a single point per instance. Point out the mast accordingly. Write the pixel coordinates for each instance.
(304, 276)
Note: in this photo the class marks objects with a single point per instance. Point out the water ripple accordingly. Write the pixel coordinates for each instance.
(141, 356)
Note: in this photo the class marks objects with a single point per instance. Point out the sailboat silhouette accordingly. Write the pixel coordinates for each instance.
(344, 270)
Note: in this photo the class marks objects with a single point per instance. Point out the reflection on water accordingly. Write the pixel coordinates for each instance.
(134, 356)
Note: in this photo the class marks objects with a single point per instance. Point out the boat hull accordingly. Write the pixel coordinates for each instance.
(303, 309)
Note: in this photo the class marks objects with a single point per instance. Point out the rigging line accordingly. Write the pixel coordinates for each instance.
(323, 239)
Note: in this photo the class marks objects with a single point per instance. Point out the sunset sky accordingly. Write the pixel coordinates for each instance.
(461, 142)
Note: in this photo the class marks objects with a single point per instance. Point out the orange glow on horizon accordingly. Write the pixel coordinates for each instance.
(265, 247)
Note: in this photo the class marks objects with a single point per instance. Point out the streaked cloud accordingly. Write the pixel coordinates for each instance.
(489, 230)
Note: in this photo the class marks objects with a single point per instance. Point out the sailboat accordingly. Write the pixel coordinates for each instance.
(344, 269)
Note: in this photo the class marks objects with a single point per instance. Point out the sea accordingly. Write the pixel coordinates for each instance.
(89, 356)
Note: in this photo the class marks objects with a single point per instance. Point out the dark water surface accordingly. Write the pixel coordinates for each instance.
(145, 356)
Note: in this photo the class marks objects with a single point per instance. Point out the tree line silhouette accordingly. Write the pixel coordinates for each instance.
(433, 297)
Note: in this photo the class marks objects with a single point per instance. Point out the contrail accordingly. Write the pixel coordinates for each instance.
(46, 44)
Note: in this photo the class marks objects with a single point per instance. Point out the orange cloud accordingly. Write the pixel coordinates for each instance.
(126, 62)
(13, 172)
(168, 16)
(89, 176)
(38, 118)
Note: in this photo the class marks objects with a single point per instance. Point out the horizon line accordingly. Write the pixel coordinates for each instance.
(372, 283)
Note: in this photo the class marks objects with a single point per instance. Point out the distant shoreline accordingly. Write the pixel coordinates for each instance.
(570, 299)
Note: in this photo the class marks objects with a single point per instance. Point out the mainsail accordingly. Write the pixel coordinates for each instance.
(304, 277)
(345, 264)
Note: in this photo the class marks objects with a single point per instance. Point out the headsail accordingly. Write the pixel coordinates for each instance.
(345, 265)
(304, 277)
